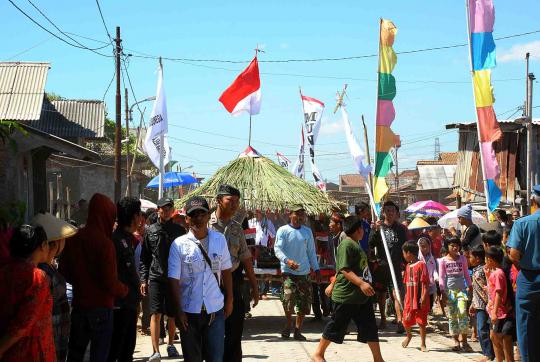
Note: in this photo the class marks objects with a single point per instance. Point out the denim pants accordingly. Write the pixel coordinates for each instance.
(482, 324)
(528, 314)
(94, 326)
(204, 337)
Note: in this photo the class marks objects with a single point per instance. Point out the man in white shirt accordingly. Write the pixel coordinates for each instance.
(198, 263)
(265, 230)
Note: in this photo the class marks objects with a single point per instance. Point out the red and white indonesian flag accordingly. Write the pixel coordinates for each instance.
(244, 94)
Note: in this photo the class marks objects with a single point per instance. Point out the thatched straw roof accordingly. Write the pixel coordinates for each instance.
(266, 185)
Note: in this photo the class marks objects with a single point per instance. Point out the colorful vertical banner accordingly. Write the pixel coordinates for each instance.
(385, 139)
(481, 17)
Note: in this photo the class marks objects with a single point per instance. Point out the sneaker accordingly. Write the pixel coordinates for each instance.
(172, 351)
(155, 357)
(298, 336)
(286, 333)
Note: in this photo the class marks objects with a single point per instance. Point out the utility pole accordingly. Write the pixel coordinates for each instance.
(128, 174)
(530, 160)
(437, 149)
(118, 128)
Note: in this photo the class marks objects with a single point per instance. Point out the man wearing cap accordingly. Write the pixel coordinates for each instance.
(524, 244)
(295, 249)
(153, 274)
(222, 220)
(199, 262)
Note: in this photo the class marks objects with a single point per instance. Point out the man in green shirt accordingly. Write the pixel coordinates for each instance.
(351, 295)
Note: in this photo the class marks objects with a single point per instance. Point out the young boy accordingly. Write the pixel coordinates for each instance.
(498, 307)
(416, 281)
(480, 300)
(350, 295)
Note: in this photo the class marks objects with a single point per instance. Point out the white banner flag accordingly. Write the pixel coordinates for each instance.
(298, 167)
(313, 109)
(152, 147)
(357, 153)
(157, 127)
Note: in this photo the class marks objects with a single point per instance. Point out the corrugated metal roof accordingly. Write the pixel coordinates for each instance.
(435, 176)
(468, 180)
(72, 118)
(536, 121)
(22, 89)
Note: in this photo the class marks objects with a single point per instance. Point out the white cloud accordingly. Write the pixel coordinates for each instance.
(517, 52)
(331, 128)
(284, 46)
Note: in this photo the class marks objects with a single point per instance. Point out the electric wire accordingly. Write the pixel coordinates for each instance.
(53, 34)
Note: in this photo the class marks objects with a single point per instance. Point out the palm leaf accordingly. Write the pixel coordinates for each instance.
(265, 185)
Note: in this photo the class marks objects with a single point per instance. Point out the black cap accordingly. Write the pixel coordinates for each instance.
(228, 190)
(196, 203)
(164, 201)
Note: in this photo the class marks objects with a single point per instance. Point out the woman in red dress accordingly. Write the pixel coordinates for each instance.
(25, 317)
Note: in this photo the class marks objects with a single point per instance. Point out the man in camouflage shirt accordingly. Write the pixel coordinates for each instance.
(228, 200)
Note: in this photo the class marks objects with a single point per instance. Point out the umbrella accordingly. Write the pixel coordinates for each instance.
(428, 207)
(451, 219)
(171, 179)
(147, 204)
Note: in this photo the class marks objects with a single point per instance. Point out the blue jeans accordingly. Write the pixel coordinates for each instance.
(482, 324)
(528, 314)
(204, 337)
(94, 326)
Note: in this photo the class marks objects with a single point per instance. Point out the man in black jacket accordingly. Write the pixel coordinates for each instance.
(125, 313)
(153, 273)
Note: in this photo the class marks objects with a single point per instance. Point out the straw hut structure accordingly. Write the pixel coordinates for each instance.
(264, 185)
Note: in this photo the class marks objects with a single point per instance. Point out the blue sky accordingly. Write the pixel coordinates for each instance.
(433, 88)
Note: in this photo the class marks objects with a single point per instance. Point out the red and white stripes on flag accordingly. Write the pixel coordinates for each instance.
(282, 160)
(244, 94)
(313, 109)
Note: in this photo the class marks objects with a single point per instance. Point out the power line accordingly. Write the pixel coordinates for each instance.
(53, 34)
(60, 30)
(28, 49)
(356, 57)
(104, 23)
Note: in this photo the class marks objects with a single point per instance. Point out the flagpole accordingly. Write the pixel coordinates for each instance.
(370, 189)
(373, 213)
(482, 165)
(302, 133)
(161, 141)
(249, 139)
(376, 103)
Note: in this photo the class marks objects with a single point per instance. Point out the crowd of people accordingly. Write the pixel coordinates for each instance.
(74, 293)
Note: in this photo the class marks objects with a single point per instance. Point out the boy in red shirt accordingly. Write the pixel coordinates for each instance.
(499, 307)
(416, 281)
